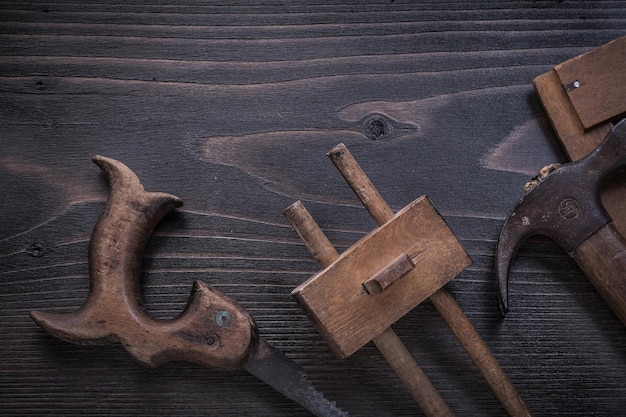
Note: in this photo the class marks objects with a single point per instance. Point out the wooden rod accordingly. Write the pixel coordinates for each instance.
(388, 342)
(360, 184)
(443, 301)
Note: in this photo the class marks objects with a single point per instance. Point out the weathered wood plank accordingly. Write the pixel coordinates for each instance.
(444, 88)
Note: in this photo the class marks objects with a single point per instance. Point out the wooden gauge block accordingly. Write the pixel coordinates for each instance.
(362, 292)
(382, 277)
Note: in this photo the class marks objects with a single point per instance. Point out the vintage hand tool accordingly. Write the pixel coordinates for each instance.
(362, 292)
(566, 206)
(213, 331)
(582, 97)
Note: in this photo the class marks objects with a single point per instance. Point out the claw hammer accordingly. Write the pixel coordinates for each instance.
(566, 206)
(581, 205)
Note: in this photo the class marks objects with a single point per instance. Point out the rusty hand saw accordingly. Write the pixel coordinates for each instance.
(213, 331)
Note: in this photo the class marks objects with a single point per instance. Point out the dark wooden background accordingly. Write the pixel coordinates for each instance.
(232, 106)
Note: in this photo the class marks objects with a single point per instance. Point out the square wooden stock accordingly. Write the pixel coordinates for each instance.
(345, 314)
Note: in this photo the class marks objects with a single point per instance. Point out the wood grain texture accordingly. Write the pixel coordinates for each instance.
(232, 107)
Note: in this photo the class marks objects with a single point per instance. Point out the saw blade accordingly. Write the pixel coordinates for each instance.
(281, 373)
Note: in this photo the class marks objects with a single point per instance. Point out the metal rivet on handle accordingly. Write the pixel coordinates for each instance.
(223, 318)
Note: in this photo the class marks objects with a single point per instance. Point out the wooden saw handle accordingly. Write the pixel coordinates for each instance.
(213, 330)
(602, 257)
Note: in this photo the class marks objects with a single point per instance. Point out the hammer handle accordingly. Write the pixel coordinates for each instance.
(443, 301)
(388, 342)
(602, 257)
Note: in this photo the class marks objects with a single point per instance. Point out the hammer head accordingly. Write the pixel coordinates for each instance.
(564, 206)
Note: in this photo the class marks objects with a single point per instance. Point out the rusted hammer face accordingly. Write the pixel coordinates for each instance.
(566, 207)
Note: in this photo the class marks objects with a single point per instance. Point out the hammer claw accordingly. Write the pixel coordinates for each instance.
(566, 207)
(520, 224)
(504, 255)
